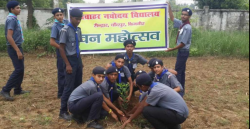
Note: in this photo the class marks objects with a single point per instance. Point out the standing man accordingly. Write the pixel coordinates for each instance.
(54, 41)
(70, 38)
(183, 41)
(14, 37)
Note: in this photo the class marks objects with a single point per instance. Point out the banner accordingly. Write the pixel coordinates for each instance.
(106, 26)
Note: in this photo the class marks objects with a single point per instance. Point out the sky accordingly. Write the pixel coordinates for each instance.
(110, 1)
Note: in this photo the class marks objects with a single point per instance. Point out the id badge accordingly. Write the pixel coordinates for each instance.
(73, 44)
(122, 74)
(134, 66)
(181, 31)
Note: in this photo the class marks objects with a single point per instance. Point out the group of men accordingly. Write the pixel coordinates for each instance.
(162, 90)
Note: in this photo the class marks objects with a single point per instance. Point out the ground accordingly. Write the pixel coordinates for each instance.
(217, 93)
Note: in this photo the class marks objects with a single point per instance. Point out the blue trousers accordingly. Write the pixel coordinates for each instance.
(89, 108)
(16, 77)
(180, 67)
(72, 81)
(60, 73)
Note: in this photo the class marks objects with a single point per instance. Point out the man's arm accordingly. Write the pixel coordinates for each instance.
(112, 106)
(131, 86)
(65, 59)
(53, 43)
(177, 89)
(173, 71)
(106, 108)
(13, 44)
(171, 15)
(176, 48)
(137, 112)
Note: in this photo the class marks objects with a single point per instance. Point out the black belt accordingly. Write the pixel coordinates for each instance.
(12, 47)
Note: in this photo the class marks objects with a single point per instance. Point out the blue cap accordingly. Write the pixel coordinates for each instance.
(130, 41)
(75, 12)
(139, 73)
(143, 79)
(99, 70)
(111, 69)
(12, 4)
(190, 12)
(56, 10)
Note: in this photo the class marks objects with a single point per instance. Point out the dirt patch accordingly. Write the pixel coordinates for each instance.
(217, 93)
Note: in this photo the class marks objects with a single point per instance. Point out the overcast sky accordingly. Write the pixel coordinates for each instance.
(110, 1)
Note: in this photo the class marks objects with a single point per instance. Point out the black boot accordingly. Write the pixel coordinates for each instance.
(6, 95)
(78, 119)
(94, 125)
(22, 92)
(65, 116)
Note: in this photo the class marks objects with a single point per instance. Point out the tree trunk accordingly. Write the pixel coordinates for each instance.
(30, 14)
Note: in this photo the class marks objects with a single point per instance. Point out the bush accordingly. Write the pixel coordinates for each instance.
(34, 39)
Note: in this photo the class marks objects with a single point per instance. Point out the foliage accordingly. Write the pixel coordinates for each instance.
(123, 90)
(63, 3)
(223, 4)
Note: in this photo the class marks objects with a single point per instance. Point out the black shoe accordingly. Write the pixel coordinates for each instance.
(6, 95)
(94, 125)
(78, 119)
(22, 92)
(65, 116)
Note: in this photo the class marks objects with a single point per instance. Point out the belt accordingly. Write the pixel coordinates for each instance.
(183, 50)
(72, 55)
(12, 47)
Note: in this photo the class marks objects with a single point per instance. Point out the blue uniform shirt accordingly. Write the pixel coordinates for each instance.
(185, 35)
(55, 30)
(12, 24)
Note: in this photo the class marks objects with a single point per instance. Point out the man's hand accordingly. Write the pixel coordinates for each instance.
(69, 69)
(123, 119)
(114, 116)
(129, 98)
(169, 49)
(120, 113)
(125, 123)
(19, 55)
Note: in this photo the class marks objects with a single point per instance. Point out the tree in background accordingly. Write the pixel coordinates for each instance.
(224, 4)
(63, 3)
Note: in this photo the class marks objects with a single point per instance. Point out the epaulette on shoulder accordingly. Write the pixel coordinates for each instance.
(65, 28)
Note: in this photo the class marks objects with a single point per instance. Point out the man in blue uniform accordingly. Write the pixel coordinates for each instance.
(14, 37)
(54, 41)
(164, 108)
(70, 38)
(87, 100)
(183, 42)
(124, 75)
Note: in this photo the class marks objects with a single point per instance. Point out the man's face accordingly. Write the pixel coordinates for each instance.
(16, 10)
(98, 78)
(129, 48)
(185, 16)
(152, 69)
(112, 77)
(59, 16)
(75, 20)
(158, 69)
(119, 63)
(143, 88)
